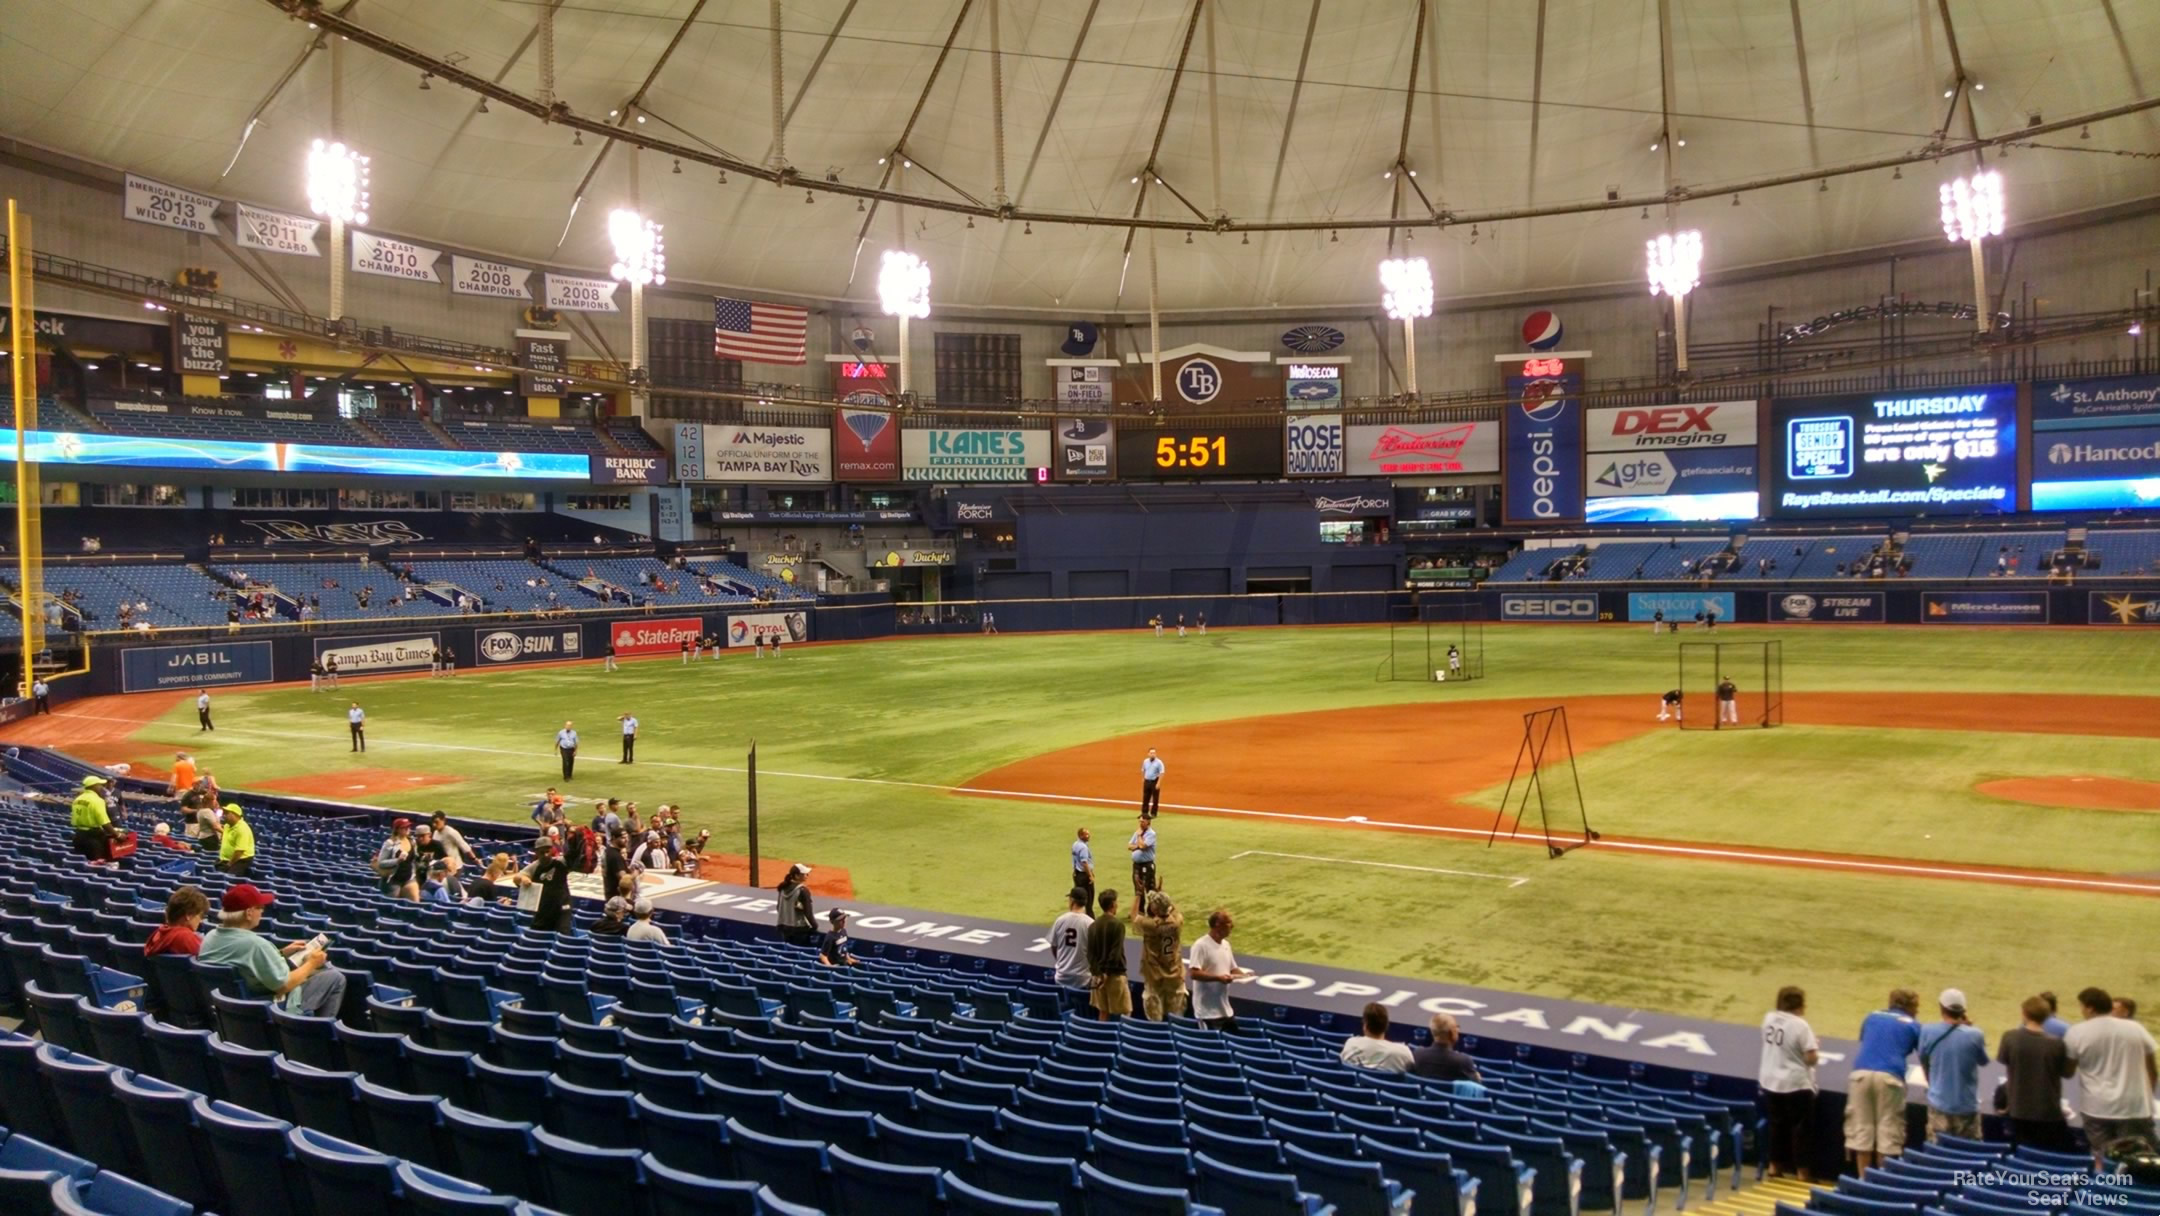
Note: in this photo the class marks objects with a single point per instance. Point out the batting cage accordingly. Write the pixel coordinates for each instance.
(1544, 792)
(1755, 672)
(1436, 637)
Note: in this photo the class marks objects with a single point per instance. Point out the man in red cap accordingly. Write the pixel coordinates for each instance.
(296, 974)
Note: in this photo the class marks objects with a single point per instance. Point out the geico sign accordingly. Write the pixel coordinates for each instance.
(1550, 607)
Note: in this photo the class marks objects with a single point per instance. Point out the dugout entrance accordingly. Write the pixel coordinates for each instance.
(1757, 671)
(1421, 633)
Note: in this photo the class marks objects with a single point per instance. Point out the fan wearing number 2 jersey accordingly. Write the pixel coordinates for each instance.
(1068, 943)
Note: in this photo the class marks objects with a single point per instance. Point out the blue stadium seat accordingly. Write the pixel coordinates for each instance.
(458, 1034)
(392, 1017)
(306, 1040)
(253, 1159)
(1558, 1190)
(1250, 1192)
(524, 1052)
(1505, 1185)
(864, 1187)
(850, 1129)
(762, 1109)
(1252, 1153)
(81, 1093)
(1108, 1194)
(343, 1178)
(24, 1105)
(965, 1199)
(117, 1036)
(495, 1153)
(1356, 1187)
(170, 1149)
(685, 1139)
(1143, 1164)
(53, 1013)
(29, 1167)
(507, 1093)
(111, 1194)
(604, 1117)
(247, 1077)
(680, 1192)
(586, 1180)
(444, 1074)
(797, 1170)
(770, 1203)
(243, 1021)
(939, 1114)
(406, 1126)
(182, 1002)
(1442, 1190)
(432, 1193)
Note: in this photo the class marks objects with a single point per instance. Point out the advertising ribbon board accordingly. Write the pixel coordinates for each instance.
(756, 628)
(977, 454)
(527, 643)
(645, 635)
(210, 665)
(382, 653)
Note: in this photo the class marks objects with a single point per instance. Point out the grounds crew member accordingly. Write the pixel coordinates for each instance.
(236, 850)
(93, 827)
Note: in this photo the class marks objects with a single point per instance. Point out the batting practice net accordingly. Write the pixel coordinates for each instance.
(1544, 792)
(1757, 673)
(1438, 638)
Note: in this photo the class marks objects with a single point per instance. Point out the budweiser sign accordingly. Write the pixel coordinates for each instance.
(654, 636)
(1460, 447)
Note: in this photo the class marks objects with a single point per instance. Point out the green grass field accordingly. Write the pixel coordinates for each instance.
(1694, 937)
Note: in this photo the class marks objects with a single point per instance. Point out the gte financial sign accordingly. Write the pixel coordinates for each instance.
(1631, 428)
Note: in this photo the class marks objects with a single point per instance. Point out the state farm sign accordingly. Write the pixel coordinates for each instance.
(1629, 428)
(1423, 447)
(647, 636)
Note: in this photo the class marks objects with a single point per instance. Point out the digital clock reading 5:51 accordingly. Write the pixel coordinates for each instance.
(1176, 452)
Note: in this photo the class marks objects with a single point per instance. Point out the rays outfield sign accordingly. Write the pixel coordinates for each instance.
(647, 635)
(527, 644)
(152, 668)
(376, 655)
(2123, 608)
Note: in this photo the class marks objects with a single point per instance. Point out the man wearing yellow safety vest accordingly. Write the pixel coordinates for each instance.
(93, 827)
(236, 851)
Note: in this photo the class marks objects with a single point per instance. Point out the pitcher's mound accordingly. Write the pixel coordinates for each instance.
(2088, 793)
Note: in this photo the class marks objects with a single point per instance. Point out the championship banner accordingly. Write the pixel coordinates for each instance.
(1313, 446)
(543, 356)
(647, 636)
(1086, 447)
(1543, 419)
(568, 293)
(759, 628)
(149, 202)
(1851, 607)
(394, 259)
(866, 445)
(2122, 608)
(973, 455)
(1089, 386)
(738, 452)
(473, 277)
(211, 665)
(1720, 424)
(376, 655)
(1984, 607)
(1373, 450)
(276, 232)
(199, 345)
(527, 643)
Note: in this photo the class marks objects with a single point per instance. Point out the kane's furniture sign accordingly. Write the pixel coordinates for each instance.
(376, 655)
(1862, 607)
(740, 452)
(1984, 607)
(759, 628)
(527, 643)
(151, 668)
(1548, 608)
(646, 635)
(1422, 448)
(973, 455)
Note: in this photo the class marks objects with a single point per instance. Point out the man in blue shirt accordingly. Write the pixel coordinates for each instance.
(566, 743)
(1952, 1053)
(1142, 848)
(1151, 771)
(1083, 868)
(1875, 1092)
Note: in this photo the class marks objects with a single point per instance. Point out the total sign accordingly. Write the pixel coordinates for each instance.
(1632, 428)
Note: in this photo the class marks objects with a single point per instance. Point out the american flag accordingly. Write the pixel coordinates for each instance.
(756, 332)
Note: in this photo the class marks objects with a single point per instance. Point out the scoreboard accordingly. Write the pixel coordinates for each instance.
(1932, 452)
(1174, 452)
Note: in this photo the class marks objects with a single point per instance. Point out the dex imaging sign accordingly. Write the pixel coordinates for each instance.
(1721, 424)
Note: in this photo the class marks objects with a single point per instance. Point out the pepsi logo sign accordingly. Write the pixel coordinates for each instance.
(1542, 330)
(1544, 400)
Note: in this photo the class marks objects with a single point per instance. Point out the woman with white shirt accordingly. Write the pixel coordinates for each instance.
(1787, 1076)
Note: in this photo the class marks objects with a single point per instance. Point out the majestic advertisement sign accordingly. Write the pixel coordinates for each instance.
(543, 357)
(1548, 607)
(1088, 386)
(149, 202)
(973, 455)
(629, 470)
(741, 452)
(1086, 449)
(2123, 608)
(500, 280)
(569, 293)
(1313, 446)
(866, 445)
(225, 455)
(1721, 424)
(1984, 607)
(198, 345)
(527, 643)
(647, 635)
(1851, 607)
(757, 628)
(1944, 452)
(276, 232)
(1422, 448)
(391, 258)
(1678, 605)
(379, 654)
(2096, 444)
(1544, 423)
(210, 665)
